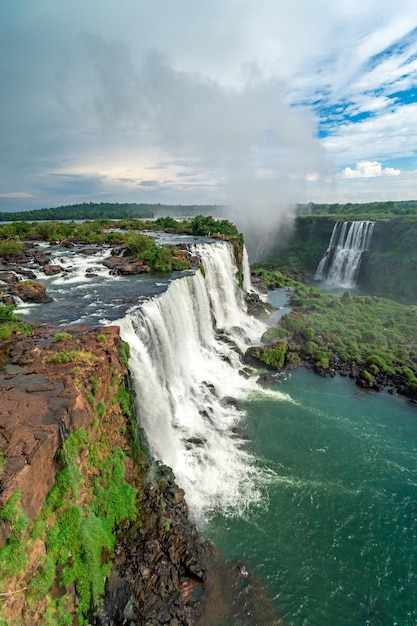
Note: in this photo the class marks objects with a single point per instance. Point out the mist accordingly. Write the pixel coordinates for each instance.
(251, 149)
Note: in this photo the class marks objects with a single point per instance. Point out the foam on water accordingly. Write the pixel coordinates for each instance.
(185, 361)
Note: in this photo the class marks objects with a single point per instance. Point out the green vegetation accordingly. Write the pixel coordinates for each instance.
(62, 336)
(206, 225)
(80, 540)
(273, 278)
(10, 248)
(125, 353)
(79, 533)
(124, 398)
(13, 553)
(377, 335)
(372, 210)
(72, 356)
(10, 324)
(106, 210)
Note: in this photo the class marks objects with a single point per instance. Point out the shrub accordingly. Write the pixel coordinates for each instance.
(272, 334)
(6, 313)
(274, 356)
(10, 248)
(367, 377)
(72, 356)
(125, 353)
(138, 244)
(13, 552)
(62, 336)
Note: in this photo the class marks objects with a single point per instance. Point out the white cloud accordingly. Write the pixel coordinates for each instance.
(213, 84)
(369, 169)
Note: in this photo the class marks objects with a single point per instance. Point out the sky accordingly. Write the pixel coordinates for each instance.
(231, 102)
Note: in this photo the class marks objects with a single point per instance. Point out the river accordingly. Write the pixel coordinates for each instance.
(335, 540)
(311, 481)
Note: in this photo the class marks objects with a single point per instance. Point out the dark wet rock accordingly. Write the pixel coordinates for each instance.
(161, 562)
(255, 305)
(51, 270)
(229, 401)
(67, 243)
(10, 278)
(194, 441)
(89, 251)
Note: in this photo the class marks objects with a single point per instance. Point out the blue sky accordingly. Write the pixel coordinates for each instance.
(236, 102)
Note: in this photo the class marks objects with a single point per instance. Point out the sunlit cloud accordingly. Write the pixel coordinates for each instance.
(369, 169)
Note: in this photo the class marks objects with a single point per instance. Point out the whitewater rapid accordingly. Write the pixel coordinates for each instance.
(188, 377)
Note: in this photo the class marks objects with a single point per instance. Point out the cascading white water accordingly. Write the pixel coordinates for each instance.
(341, 261)
(186, 368)
(247, 282)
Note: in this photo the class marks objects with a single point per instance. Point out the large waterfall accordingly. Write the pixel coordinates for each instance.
(341, 261)
(185, 361)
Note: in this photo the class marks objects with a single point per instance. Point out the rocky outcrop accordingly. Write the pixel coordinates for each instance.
(47, 382)
(42, 401)
(30, 291)
(161, 562)
(126, 265)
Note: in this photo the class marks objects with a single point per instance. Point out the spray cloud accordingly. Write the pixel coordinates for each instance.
(243, 142)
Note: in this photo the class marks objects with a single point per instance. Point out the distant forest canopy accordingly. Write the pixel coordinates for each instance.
(115, 210)
(368, 210)
(108, 210)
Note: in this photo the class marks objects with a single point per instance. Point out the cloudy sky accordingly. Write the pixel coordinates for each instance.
(215, 101)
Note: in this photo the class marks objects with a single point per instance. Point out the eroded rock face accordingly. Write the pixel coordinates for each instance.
(41, 402)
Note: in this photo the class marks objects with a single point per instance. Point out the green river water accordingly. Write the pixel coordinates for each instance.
(335, 542)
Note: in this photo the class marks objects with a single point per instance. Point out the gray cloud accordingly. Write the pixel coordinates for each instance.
(95, 96)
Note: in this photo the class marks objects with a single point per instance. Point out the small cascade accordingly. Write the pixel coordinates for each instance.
(186, 370)
(341, 261)
(247, 282)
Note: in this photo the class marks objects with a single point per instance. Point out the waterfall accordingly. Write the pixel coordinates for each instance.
(185, 362)
(247, 282)
(341, 261)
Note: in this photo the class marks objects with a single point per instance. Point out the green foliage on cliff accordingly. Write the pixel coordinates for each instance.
(80, 537)
(207, 225)
(10, 324)
(273, 278)
(374, 331)
(13, 553)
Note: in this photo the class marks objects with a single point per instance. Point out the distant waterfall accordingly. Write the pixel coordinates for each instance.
(185, 361)
(341, 261)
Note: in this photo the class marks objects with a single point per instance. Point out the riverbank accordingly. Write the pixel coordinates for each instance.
(371, 340)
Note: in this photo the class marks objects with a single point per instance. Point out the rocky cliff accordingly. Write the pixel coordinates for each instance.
(77, 493)
(386, 270)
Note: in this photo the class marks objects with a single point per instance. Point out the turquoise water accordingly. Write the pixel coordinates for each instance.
(335, 542)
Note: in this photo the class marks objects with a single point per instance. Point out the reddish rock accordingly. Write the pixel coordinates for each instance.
(126, 265)
(41, 402)
(30, 291)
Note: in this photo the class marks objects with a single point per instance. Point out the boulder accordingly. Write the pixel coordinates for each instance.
(51, 270)
(30, 291)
